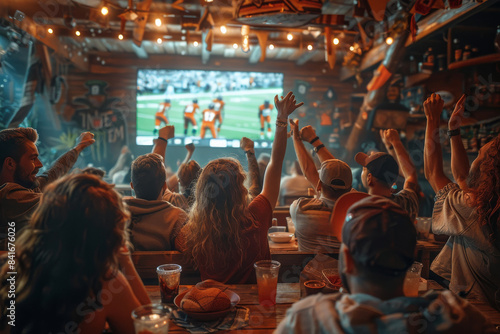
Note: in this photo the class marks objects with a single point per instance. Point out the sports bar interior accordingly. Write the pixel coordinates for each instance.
(250, 166)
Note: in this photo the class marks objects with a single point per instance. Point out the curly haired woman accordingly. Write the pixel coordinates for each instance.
(67, 263)
(469, 212)
(225, 234)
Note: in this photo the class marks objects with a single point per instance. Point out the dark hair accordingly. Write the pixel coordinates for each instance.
(148, 176)
(65, 254)
(93, 171)
(12, 143)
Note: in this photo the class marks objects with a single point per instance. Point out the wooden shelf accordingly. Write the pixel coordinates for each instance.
(475, 61)
(415, 79)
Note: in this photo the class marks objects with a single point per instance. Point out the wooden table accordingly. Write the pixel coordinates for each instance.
(265, 320)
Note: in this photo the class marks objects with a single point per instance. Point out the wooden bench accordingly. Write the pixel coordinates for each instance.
(292, 263)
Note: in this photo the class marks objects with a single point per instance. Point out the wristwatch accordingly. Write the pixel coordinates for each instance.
(452, 133)
(319, 147)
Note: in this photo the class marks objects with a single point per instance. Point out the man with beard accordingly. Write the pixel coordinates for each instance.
(20, 187)
(378, 246)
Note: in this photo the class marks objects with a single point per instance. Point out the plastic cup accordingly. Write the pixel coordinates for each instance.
(290, 225)
(412, 280)
(151, 319)
(169, 277)
(267, 281)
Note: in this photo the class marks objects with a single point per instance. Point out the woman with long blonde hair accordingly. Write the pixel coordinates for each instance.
(225, 234)
(67, 262)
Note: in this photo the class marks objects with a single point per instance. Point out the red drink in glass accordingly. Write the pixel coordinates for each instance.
(267, 281)
(169, 276)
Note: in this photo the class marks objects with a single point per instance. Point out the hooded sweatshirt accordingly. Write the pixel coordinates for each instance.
(154, 224)
(436, 312)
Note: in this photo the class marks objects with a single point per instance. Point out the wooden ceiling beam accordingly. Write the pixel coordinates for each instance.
(255, 54)
(51, 41)
(139, 51)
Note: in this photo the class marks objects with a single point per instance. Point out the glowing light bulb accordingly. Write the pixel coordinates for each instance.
(336, 41)
(271, 46)
(309, 47)
(289, 36)
(195, 43)
(120, 37)
(223, 29)
(351, 48)
(104, 10)
(235, 46)
(50, 31)
(159, 41)
(158, 22)
(389, 40)
(78, 33)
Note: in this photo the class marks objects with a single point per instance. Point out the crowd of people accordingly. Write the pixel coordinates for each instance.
(74, 232)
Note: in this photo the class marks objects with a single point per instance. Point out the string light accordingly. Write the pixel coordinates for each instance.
(104, 10)
(271, 46)
(235, 46)
(223, 29)
(50, 31)
(336, 41)
(159, 41)
(195, 43)
(77, 33)
(158, 22)
(351, 48)
(389, 40)
(120, 37)
(309, 47)
(289, 36)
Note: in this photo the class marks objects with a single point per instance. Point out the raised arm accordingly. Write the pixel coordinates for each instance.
(271, 188)
(67, 160)
(403, 158)
(190, 150)
(388, 146)
(459, 159)
(433, 156)
(247, 145)
(308, 134)
(164, 134)
(305, 160)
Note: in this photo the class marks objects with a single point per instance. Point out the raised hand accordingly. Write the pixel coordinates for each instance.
(286, 105)
(190, 147)
(84, 140)
(308, 133)
(391, 136)
(433, 107)
(246, 144)
(458, 115)
(167, 132)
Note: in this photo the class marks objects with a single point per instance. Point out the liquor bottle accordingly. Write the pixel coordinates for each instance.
(413, 65)
(457, 49)
(497, 40)
(467, 52)
(429, 57)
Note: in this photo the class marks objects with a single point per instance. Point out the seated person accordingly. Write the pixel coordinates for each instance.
(20, 187)
(468, 211)
(293, 186)
(225, 234)
(67, 263)
(155, 223)
(378, 246)
(311, 216)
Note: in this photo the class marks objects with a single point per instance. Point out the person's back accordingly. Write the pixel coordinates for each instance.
(155, 223)
(293, 186)
(378, 246)
(311, 216)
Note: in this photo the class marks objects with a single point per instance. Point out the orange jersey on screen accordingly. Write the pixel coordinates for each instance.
(208, 121)
(160, 114)
(266, 111)
(190, 111)
(218, 105)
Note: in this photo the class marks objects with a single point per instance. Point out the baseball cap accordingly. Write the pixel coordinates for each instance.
(380, 235)
(336, 173)
(381, 165)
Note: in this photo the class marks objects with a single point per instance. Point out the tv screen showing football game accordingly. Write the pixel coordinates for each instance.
(207, 108)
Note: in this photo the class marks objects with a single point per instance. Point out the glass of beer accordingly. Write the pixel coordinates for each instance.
(412, 280)
(169, 277)
(267, 281)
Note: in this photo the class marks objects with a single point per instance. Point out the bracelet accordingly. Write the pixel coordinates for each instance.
(249, 152)
(452, 133)
(314, 139)
(319, 147)
(281, 124)
(165, 140)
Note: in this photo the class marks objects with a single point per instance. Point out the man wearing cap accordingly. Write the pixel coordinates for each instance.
(380, 171)
(311, 216)
(378, 245)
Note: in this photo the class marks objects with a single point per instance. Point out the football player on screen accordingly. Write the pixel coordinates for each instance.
(265, 117)
(161, 115)
(209, 116)
(190, 113)
(219, 105)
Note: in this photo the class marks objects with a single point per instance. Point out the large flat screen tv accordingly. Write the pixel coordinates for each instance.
(207, 108)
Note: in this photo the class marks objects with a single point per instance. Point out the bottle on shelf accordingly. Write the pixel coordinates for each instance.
(497, 40)
(467, 52)
(457, 49)
(413, 65)
(429, 57)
